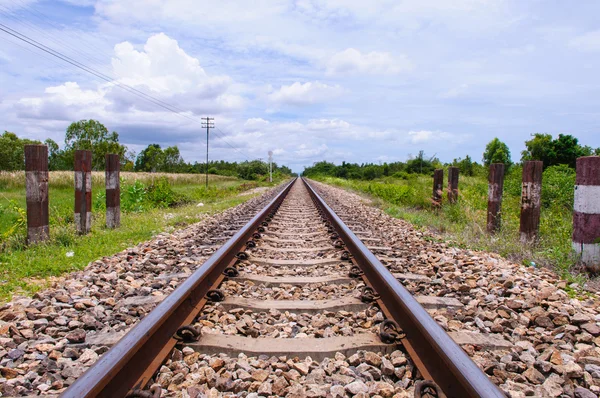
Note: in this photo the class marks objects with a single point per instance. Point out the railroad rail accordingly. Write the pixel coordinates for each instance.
(129, 367)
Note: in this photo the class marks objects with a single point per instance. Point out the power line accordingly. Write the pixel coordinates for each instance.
(107, 78)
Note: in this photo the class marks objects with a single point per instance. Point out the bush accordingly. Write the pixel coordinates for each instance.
(160, 194)
(133, 197)
(558, 186)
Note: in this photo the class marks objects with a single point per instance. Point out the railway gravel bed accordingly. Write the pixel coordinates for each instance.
(277, 299)
(554, 339)
(50, 339)
(293, 295)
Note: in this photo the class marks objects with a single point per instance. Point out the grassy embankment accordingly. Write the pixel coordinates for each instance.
(151, 203)
(464, 223)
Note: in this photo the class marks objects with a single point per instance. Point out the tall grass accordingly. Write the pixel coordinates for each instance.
(65, 179)
(464, 223)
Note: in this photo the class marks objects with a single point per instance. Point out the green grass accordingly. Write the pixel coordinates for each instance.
(25, 269)
(464, 224)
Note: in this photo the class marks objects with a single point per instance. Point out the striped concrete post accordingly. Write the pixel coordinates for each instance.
(438, 184)
(36, 187)
(83, 191)
(586, 215)
(531, 195)
(452, 184)
(113, 191)
(495, 187)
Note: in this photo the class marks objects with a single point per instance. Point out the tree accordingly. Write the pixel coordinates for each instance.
(421, 165)
(150, 159)
(466, 166)
(12, 151)
(563, 150)
(496, 151)
(57, 158)
(93, 136)
(173, 162)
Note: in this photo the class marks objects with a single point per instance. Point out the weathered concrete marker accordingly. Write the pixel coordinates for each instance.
(495, 187)
(438, 183)
(531, 195)
(83, 191)
(113, 191)
(586, 214)
(36, 186)
(452, 184)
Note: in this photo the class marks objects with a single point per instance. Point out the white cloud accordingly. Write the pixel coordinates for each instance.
(589, 41)
(255, 124)
(353, 61)
(428, 136)
(305, 93)
(163, 70)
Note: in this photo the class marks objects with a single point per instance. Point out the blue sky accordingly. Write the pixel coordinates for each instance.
(361, 81)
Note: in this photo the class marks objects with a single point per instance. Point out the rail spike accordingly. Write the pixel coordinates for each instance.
(368, 295)
(355, 272)
(428, 389)
(187, 334)
(153, 392)
(215, 295)
(390, 332)
(231, 272)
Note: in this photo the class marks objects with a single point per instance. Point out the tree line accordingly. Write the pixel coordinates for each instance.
(565, 149)
(94, 136)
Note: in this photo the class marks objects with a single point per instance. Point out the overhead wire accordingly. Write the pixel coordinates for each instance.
(108, 79)
(175, 108)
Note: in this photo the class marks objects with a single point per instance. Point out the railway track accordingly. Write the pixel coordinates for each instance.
(293, 296)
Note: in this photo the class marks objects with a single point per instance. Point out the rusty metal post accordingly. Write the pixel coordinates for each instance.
(531, 195)
(452, 184)
(83, 191)
(113, 191)
(438, 183)
(586, 214)
(36, 187)
(495, 187)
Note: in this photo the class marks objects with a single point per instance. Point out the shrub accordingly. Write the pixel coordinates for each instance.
(133, 197)
(160, 194)
(558, 186)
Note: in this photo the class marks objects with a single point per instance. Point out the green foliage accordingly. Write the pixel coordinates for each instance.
(93, 136)
(465, 222)
(467, 167)
(152, 158)
(496, 151)
(160, 194)
(18, 217)
(371, 171)
(513, 181)
(563, 150)
(252, 170)
(558, 187)
(12, 151)
(133, 197)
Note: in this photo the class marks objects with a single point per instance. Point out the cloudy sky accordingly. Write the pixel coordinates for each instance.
(354, 80)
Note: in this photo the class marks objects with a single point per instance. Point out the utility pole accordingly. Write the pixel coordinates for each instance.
(209, 123)
(270, 166)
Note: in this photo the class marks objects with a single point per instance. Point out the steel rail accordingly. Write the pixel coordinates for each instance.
(437, 355)
(135, 358)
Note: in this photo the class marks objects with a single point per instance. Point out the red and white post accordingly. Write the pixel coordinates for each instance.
(586, 214)
(36, 187)
(495, 188)
(83, 191)
(531, 195)
(113, 191)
